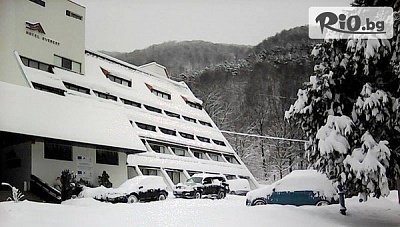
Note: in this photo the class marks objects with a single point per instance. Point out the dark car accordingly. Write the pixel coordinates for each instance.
(301, 187)
(140, 188)
(203, 185)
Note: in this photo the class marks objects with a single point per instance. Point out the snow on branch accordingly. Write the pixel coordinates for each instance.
(368, 164)
(332, 136)
(371, 104)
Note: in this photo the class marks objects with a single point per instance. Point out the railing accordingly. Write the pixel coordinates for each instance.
(44, 191)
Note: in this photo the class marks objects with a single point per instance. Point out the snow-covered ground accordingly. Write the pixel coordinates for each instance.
(205, 212)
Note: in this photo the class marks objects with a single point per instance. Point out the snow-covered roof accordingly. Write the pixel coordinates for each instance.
(42, 114)
(98, 65)
(155, 68)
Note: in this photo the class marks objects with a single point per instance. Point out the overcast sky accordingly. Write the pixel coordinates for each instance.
(126, 25)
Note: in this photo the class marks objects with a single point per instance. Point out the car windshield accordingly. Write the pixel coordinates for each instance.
(194, 180)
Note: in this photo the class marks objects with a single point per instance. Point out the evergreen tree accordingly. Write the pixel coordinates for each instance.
(349, 110)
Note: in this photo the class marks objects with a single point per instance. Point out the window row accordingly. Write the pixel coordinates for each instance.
(36, 64)
(173, 132)
(168, 113)
(175, 174)
(46, 88)
(163, 148)
(56, 151)
(61, 62)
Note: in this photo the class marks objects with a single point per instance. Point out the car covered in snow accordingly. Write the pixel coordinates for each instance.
(238, 186)
(202, 185)
(300, 187)
(140, 188)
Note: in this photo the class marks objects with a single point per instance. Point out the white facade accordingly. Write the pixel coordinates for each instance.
(63, 35)
(109, 103)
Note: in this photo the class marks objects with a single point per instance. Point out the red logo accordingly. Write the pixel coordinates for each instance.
(35, 27)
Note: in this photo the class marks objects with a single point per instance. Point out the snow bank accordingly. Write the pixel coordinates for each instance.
(230, 211)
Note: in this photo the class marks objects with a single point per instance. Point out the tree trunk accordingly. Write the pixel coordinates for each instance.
(398, 188)
(264, 161)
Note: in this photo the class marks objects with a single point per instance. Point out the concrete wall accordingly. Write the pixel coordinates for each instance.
(41, 166)
(68, 34)
(16, 175)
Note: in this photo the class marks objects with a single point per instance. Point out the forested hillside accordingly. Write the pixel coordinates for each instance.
(185, 57)
(246, 90)
(251, 96)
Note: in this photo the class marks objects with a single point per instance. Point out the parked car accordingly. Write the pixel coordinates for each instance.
(140, 188)
(202, 185)
(301, 187)
(238, 186)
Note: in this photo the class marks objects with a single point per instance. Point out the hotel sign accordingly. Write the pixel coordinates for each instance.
(36, 30)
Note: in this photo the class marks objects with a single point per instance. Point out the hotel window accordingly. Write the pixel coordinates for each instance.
(57, 151)
(77, 88)
(175, 176)
(37, 65)
(148, 172)
(168, 131)
(199, 154)
(159, 148)
(230, 177)
(53, 90)
(231, 159)
(194, 105)
(73, 15)
(131, 103)
(39, 2)
(68, 64)
(119, 80)
(105, 96)
(219, 142)
(189, 119)
(107, 157)
(153, 109)
(116, 79)
(179, 151)
(159, 93)
(187, 136)
(215, 157)
(205, 123)
(146, 126)
(170, 114)
(203, 139)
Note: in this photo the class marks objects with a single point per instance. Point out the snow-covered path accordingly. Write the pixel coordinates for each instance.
(182, 212)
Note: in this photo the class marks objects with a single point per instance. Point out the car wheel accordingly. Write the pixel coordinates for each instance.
(322, 203)
(221, 195)
(197, 195)
(259, 202)
(162, 196)
(132, 199)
